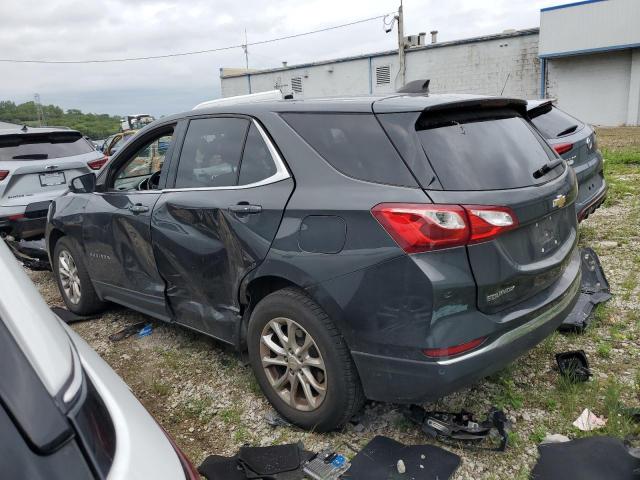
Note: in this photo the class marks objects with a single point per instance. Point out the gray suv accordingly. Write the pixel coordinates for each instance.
(576, 142)
(35, 166)
(395, 248)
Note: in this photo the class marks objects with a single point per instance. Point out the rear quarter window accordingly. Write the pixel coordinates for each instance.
(488, 150)
(354, 144)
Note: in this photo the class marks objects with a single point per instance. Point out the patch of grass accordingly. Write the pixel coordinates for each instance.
(196, 407)
(231, 415)
(514, 440)
(241, 435)
(160, 388)
(623, 156)
(604, 349)
(538, 434)
(508, 395)
(629, 284)
(402, 423)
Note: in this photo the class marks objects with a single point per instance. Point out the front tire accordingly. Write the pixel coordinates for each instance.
(73, 279)
(302, 362)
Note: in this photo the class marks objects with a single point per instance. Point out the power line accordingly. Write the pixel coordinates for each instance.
(196, 52)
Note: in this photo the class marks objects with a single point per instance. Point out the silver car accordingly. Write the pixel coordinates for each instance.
(36, 165)
(64, 413)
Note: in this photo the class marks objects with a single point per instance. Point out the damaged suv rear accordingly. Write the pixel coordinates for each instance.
(395, 248)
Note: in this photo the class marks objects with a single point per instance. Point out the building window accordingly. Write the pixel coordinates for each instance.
(296, 84)
(383, 75)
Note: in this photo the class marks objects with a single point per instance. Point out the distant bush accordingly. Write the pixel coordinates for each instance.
(95, 126)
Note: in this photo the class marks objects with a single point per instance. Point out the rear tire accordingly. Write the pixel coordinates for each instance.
(73, 279)
(312, 381)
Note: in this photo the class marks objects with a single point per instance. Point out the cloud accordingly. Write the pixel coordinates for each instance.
(74, 29)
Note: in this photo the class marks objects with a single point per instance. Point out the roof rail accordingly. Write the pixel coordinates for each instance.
(240, 99)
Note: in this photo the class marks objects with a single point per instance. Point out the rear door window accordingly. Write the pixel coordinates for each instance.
(354, 144)
(489, 150)
(211, 152)
(556, 123)
(43, 147)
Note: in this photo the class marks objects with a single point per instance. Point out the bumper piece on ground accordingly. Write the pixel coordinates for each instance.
(32, 253)
(594, 289)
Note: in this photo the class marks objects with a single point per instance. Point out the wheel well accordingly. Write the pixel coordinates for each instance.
(256, 290)
(54, 236)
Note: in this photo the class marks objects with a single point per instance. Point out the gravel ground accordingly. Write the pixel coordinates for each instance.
(206, 397)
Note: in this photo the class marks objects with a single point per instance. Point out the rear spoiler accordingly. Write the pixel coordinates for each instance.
(13, 140)
(535, 109)
(481, 104)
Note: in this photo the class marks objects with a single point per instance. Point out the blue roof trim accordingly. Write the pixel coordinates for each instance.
(567, 5)
(571, 53)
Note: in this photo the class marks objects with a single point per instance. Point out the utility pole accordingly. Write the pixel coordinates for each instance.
(39, 110)
(401, 45)
(245, 47)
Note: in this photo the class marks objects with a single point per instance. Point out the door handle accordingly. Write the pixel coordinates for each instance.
(138, 208)
(245, 209)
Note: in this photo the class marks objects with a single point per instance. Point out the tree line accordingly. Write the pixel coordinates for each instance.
(95, 126)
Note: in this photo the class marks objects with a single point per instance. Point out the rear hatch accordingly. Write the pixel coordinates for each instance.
(486, 153)
(40, 165)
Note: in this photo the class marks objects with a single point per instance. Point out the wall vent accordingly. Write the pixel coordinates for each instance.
(383, 74)
(296, 84)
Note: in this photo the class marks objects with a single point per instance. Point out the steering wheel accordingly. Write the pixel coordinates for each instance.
(150, 183)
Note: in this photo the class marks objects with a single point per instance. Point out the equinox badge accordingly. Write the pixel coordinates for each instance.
(559, 201)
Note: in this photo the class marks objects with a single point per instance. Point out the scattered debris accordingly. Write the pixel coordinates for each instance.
(594, 289)
(69, 317)
(383, 458)
(32, 253)
(146, 330)
(326, 465)
(592, 458)
(274, 419)
(128, 331)
(555, 438)
(460, 426)
(588, 421)
(574, 365)
(278, 462)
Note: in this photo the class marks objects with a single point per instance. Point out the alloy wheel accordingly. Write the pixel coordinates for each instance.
(68, 273)
(293, 364)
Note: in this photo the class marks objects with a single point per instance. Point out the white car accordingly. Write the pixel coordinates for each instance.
(36, 166)
(64, 413)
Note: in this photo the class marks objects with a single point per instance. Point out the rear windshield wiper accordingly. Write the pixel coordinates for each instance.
(568, 130)
(547, 167)
(31, 156)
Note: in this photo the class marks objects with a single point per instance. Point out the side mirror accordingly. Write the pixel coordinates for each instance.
(83, 184)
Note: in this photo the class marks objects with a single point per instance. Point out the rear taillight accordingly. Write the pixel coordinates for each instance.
(562, 148)
(417, 227)
(97, 164)
(455, 350)
(3, 174)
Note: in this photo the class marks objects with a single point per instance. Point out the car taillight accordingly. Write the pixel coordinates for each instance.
(455, 350)
(97, 164)
(417, 227)
(3, 174)
(562, 148)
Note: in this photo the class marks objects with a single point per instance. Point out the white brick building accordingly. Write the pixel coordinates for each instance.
(585, 54)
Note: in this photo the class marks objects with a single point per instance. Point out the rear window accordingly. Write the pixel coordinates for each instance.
(556, 123)
(489, 150)
(42, 147)
(354, 144)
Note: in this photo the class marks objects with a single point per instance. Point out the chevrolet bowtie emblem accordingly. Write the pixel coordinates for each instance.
(559, 201)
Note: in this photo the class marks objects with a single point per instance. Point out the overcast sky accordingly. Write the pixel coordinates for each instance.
(103, 29)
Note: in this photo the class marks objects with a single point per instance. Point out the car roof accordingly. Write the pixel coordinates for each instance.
(351, 104)
(35, 328)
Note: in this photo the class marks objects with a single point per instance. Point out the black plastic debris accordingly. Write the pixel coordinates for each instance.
(574, 365)
(278, 462)
(592, 458)
(385, 459)
(128, 331)
(69, 317)
(594, 289)
(32, 253)
(462, 426)
(274, 419)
